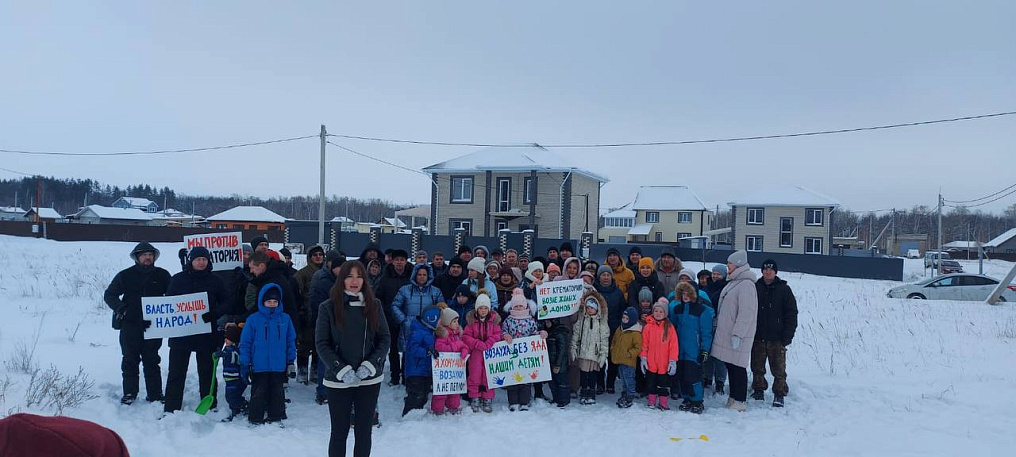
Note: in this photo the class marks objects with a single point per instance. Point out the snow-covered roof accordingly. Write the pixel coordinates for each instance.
(960, 245)
(641, 229)
(667, 198)
(136, 202)
(624, 211)
(11, 209)
(342, 219)
(1001, 239)
(416, 211)
(173, 214)
(45, 213)
(394, 222)
(522, 158)
(784, 196)
(109, 212)
(248, 214)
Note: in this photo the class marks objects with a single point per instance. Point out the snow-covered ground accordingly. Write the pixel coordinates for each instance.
(868, 375)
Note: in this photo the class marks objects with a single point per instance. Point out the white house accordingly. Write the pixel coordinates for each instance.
(97, 214)
(45, 214)
(616, 225)
(668, 213)
(11, 213)
(791, 220)
(142, 204)
(1002, 244)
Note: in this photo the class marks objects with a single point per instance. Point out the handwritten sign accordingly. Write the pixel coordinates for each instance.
(524, 361)
(449, 374)
(558, 298)
(176, 315)
(225, 248)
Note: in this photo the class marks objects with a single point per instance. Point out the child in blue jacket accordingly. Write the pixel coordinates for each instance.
(419, 353)
(693, 321)
(229, 356)
(267, 348)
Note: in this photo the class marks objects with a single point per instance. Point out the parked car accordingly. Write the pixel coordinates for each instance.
(951, 266)
(931, 258)
(913, 254)
(954, 286)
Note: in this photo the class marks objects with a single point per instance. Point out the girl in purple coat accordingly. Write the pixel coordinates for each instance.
(520, 324)
(448, 338)
(483, 330)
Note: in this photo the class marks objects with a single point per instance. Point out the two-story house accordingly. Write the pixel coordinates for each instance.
(791, 220)
(517, 189)
(142, 204)
(667, 214)
(616, 225)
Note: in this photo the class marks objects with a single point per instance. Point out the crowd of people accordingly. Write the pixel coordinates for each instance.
(665, 331)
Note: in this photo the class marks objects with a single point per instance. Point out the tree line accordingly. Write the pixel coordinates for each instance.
(66, 196)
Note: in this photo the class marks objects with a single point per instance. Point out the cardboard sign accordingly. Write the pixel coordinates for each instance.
(177, 315)
(558, 298)
(226, 249)
(448, 374)
(524, 361)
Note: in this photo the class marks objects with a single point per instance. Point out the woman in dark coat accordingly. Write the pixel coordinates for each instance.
(197, 277)
(352, 339)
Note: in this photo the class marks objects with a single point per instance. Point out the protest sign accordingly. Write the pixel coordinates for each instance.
(176, 315)
(225, 248)
(523, 361)
(558, 298)
(448, 374)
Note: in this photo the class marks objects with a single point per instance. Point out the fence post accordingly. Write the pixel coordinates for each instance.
(528, 237)
(375, 234)
(458, 239)
(415, 241)
(586, 244)
(502, 239)
(285, 236)
(334, 236)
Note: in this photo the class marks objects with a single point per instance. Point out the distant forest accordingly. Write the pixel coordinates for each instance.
(68, 195)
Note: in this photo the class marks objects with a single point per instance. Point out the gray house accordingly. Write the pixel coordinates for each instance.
(96, 214)
(142, 204)
(516, 189)
(1002, 244)
(791, 220)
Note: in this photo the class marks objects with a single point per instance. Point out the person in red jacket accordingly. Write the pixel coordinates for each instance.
(483, 331)
(659, 355)
(28, 435)
(448, 338)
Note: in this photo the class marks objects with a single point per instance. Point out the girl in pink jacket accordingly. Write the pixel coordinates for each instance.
(448, 338)
(483, 330)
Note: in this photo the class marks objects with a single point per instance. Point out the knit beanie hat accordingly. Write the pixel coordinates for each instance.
(465, 248)
(591, 302)
(198, 252)
(447, 316)
(566, 246)
(721, 269)
(551, 249)
(272, 294)
(662, 303)
(286, 252)
(476, 264)
(645, 294)
(738, 258)
(705, 273)
(464, 290)
(258, 240)
(457, 261)
(585, 273)
(233, 333)
(419, 253)
(497, 251)
(633, 317)
(247, 249)
(635, 250)
(648, 262)
(518, 305)
(430, 317)
(770, 263)
(495, 263)
(483, 301)
(553, 267)
(613, 251)
(604, 269)
(533, 266)
(399, 254)
(689, 273)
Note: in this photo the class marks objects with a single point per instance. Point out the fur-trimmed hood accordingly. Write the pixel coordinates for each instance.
(601, 313)
(471, 317)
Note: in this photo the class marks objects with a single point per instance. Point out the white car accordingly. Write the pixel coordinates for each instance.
(913, 254)
(955, 286)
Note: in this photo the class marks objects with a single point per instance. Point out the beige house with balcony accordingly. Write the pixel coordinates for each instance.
(519, 188)
(667, 214)
(791, 220)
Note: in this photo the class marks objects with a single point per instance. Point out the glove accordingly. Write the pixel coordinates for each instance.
(645, 365)
(735, 342)
(350, 377)
(144, 324)
(362, 372)
(672, 368)
(207, 317)
(702, 357)
(291, 370)
(432, 353)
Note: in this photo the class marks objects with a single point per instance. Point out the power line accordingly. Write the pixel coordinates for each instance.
(1011, 192)
(16, 172)
(165, 151)
(679, 142)
(982, 198)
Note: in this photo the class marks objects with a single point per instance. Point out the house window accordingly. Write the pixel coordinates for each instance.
(786, 232)
(504, 194)
(684, 217)
(220, 226)
(462, 189)
(454, 224)
(683, 235)
(813, 245)
(813, 216)
(528, 190)
(659, 236)
(753, 243)
(238, 226)
(501, 225)
(756, 216)
(653, 216)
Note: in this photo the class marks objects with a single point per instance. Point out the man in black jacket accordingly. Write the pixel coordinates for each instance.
(777, 322)
(123, 296)
(394, 277)
(451, 278)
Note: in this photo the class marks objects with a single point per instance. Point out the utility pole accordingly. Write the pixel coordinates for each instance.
(587, 212)
(939, 254)
(321, 195)
(892, 235)
(38, 198)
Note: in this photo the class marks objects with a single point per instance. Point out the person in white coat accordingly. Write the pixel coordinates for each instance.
(735, 328)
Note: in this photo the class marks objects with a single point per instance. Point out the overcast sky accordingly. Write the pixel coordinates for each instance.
(111, 76)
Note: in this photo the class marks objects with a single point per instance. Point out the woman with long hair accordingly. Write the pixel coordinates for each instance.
(352, 339)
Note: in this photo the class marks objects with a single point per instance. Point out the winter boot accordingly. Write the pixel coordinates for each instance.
(706, 383)
(758, 395)
(719, 388)
(697, 407)
(738, 406)
(600, 390)
(652, 400)
(320, 399)
(128, 399)
(512, 407)
(778, 401)
(664, 400)
(730, 402)
(524, 407)
(486, 406)
(155, 398)
(685, 405)
(454, 411)
(474, 404)
(610, 390)
(303, 375)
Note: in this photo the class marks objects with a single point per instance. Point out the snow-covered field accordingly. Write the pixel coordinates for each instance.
(868, 375)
